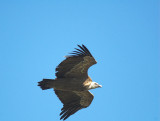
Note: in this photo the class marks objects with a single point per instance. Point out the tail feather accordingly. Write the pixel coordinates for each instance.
(44, 84)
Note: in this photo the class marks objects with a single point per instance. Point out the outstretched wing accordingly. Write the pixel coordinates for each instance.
(73, 101)
(76, 64)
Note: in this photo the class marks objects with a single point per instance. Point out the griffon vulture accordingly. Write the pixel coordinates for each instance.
(72, 82)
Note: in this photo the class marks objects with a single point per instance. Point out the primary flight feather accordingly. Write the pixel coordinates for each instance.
(72, 82)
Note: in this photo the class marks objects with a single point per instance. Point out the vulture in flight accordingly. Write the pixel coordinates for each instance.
(72, 84)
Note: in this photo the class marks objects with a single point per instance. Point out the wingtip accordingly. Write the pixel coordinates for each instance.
(81, 51)
(83, 45)
(78, 45)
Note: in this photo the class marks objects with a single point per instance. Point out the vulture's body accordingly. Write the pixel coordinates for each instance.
(72, 82)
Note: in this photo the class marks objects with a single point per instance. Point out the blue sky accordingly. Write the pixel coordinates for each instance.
(121, 35)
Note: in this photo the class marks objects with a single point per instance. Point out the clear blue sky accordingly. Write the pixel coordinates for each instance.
(122, 35)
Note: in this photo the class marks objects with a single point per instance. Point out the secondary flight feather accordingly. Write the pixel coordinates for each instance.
(72, 84)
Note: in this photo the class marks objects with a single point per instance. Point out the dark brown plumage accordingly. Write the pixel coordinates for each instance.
(77, 64)
(72, 82)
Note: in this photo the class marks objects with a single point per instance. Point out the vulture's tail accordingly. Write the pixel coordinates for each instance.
(45, 84)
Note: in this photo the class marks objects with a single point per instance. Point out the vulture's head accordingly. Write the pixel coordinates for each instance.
(94, 85)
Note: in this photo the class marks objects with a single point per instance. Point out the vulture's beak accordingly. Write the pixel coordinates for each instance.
(100, 86)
